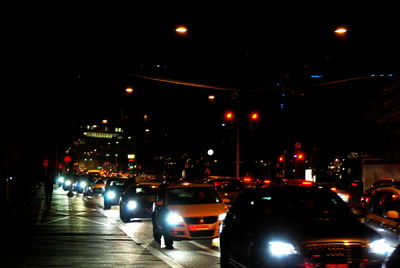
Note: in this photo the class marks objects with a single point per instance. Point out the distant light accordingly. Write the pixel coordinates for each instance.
(211, 97)
(210, 152)
(181, 29)
(316, 76)
(147, 130)
(104, 121)
(129, 90)
(341, 30)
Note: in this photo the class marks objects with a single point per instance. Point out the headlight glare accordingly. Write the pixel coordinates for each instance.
(131, 205)
(82, 184)
(281, 249)
(380, 247)
(173, 218)
(68, 183)
(60, 180)
(222, 216)
(111, 195)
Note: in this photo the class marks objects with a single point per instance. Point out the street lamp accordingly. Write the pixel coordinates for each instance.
(341, 30)
(181, 29)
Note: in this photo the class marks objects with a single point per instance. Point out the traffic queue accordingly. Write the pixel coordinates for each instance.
(261, 223)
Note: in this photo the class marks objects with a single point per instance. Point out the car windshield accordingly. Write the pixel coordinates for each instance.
(228, 186)
(192, 195)
(143, 190)
(307, 204)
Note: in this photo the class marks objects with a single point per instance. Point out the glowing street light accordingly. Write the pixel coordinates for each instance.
(181, 30)
(129, 90)
(341, 30)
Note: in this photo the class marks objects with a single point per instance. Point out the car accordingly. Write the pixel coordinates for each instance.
(297, 226)
(228, 187)
(340, 190)
(80, 183)
(377, 184)
(96, 186)
(393, 261)
(113, 189)
(137, 201)
(383, 213)
(187, 211)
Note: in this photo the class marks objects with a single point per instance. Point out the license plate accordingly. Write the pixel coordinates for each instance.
(202, 227)
(337, 265)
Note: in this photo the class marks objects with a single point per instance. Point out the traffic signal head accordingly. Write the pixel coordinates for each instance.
(281, 158)
(300, 156)
(228, 115)
(254, 116)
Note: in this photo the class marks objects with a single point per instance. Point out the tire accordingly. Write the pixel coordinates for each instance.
(123, 216)
(168, 242)
(224, 260)
(156, 234)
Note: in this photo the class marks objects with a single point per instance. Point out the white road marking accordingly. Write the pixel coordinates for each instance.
(209, 250)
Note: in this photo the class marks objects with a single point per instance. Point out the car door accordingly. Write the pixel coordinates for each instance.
(241, 229)
(382, 201)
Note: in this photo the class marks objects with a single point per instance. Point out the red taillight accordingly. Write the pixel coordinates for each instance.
(333, 188)
(267, 181)
(247, 179)
(306, 183)
(354, 184)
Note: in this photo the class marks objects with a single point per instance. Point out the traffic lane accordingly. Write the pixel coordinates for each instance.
(187, 253)
(74, 233)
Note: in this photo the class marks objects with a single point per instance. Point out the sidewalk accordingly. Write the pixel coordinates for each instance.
(72, 234)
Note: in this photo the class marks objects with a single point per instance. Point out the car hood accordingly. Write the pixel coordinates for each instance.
(306, 231)
(200, 210)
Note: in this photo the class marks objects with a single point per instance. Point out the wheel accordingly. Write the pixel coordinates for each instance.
(107, 205)
(123, 216)
(168, 242)
(224, 260)
(156, 233)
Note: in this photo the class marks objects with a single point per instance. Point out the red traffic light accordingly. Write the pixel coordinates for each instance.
(229, 115)
(254, 116)
(300, 156)
(281, 158)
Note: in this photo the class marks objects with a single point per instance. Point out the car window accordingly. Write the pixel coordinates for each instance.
(143, 190)
(311, 205)
(192, 195)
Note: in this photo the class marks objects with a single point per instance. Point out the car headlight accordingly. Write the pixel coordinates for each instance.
(281, 249)
(222, 216)
(380, 247)
(60, 180)
(173, 218)
(82, 184)
(131, 205)
(68, 183)
(110, 195)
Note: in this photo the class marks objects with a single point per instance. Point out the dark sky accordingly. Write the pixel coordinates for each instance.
(67, 61)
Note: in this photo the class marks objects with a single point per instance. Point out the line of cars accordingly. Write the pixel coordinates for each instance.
(290, 224)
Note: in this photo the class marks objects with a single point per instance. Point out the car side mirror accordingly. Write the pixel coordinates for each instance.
(159, 203)
(392, 214)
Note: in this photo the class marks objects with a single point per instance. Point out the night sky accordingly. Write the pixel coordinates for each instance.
(69, 62)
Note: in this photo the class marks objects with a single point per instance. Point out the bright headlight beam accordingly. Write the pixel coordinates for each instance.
(281, 249)
(111, 195)
(131, 205)
(222, 216)
(173, 218)
(380, 247)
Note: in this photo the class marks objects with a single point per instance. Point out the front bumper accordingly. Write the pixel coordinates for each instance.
(185, 231)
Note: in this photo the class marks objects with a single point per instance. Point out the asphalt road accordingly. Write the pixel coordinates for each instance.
(77, 232)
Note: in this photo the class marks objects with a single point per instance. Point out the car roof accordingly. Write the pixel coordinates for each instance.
(286, 189)
(188, 184)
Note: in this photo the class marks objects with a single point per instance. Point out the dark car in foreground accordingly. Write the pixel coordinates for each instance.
(296, 226)
(137, 201)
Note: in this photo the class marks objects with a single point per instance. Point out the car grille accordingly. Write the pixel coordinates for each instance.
(201, 220)
(201, 233)
(335, 253)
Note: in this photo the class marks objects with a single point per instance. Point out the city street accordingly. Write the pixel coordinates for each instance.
(76, 232)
